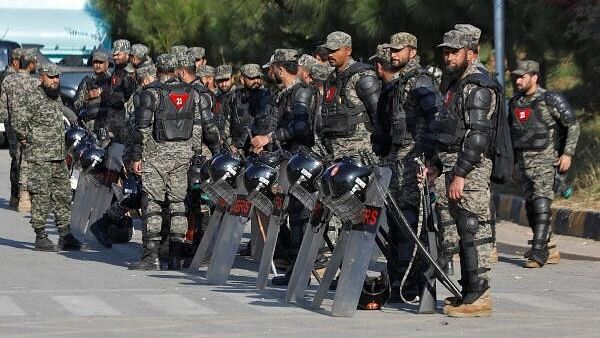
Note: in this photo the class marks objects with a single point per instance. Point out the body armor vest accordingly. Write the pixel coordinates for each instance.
(340, 116)
(174, 118)
(527, 129)
(286, 117)
(449, 124)
(241, 114)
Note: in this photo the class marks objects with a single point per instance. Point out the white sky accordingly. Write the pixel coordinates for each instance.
(43, 4)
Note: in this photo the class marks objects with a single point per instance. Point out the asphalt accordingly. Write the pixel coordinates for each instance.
(92, 294)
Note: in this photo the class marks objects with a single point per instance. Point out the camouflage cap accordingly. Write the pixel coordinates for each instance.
(166, 63)
(251, 70)
(306, 60)
(49, 69)
(319, 71)
(197, 52)
(285, 55)
(16, 53)
(29, 55)
(456, 40)
(223, 72)
(100, 55)
(139, 50)
(472, 31)
(205, 70)
(526, 67)
(186, 60)
(401, 40)
(382, 55)
(145, 70)
(336, 40)
(180, 49)
(121, 45)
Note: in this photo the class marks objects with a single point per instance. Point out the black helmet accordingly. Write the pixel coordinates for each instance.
(305, 166)
(271, 159)
(225, 165)
(375, 292)
(259, 173)
(91, 157)
(195, 171)
(73, 136)
(132, 193)
(80, 148)
(347, 176)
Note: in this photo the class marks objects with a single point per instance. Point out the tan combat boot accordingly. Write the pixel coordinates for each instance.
(482, 307)
(494, 255)
(531, 264)
(553, 253)
(24, 202)
(448, 303)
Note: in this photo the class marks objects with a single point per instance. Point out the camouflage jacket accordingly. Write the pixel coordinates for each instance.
(38, 120)
(14, 87)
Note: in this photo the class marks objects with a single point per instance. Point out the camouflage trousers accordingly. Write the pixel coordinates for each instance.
(535, 170)
(18, 165)
(476, 200)
(50, 191)
(164, 187)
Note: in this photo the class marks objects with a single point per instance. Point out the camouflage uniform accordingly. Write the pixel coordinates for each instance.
(471, 214)
(543, 127)
(82, 101)
(14, 87)
(38, 120)
(354, 105)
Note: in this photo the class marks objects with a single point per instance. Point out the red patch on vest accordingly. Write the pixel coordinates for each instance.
(115, 80)
(522, 114)
(179, 100)
(330, 94)
(448, 98)
(216, 107)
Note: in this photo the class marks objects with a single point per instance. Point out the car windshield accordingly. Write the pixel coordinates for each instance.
(3, 58)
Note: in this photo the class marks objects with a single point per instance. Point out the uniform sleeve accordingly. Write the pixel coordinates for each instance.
(23, 109)
(82, 91)
(142, 131)
(3, 104)
(299, 128)
(209, 128)
(197, 128)
(565, 116)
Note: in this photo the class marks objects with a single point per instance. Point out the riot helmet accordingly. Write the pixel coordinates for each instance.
(91, 157)
(225, 166)
(305, 167)
(259, 173)
(375, 292)
(73, 136)
(132, 193)
(348, 176)
(80, 148)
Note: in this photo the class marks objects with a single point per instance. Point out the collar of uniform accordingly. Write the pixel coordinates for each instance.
(471, 69)
(410, 66)
(351, 61)
(294, 83)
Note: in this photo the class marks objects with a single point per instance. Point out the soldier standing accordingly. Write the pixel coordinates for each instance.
(167, 134)
(462, 132)
(241, 109)
(199, 54)
(139, 56)
(225, 81)
(13, 146)
(350, 100)
(15, 86)
(38, 124)
(407, 105)
(544, 134)
(88, 96)
(293, 109)
(206, 74)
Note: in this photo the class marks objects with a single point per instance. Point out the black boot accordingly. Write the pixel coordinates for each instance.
(68, 242)
(176, 255)
(42, 242)
(100, 231)
(282, 280)
(149, 260)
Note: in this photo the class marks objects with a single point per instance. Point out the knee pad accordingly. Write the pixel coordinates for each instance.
(467, 223)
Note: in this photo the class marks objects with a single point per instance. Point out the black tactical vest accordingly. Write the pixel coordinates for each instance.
(285, 115)
(174, 118)
(527, 129)
(340, 116)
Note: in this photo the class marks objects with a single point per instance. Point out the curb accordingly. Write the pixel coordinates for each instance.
(577, 223)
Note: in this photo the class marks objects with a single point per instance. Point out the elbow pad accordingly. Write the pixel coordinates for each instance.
(567, 114)
(474, 146)
(478, 105)
(145, 111)
(368, 89)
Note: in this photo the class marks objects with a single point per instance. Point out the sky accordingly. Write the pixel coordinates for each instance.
(44, 4)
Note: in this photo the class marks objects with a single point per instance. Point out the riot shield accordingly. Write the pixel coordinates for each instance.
(278, 214)
(92, 198)
(230, 235)
(207, 242)
(361, 243)
(332, 267)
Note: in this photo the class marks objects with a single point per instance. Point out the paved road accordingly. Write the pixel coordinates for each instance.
(92, 294)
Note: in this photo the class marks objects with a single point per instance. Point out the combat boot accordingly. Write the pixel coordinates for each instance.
(282, 280)
(553, 253)
(42, 242)
(481, 307)
(68, 242)
(176, 258)
(494, 255)
(149, 259)
(24, 202)
(100, 230)
(14, 201)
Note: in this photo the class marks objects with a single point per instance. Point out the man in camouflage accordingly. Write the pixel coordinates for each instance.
(13, 145)
(38, 124)
(139, 56)
(544, 134)
(241, 109)
(350, 100)
(462, 132)
(407, 105)
(293, 109)
(167, 134)
(226, 84)
(199, 54)
(88, 101)
(206, 74)
(14, 87)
